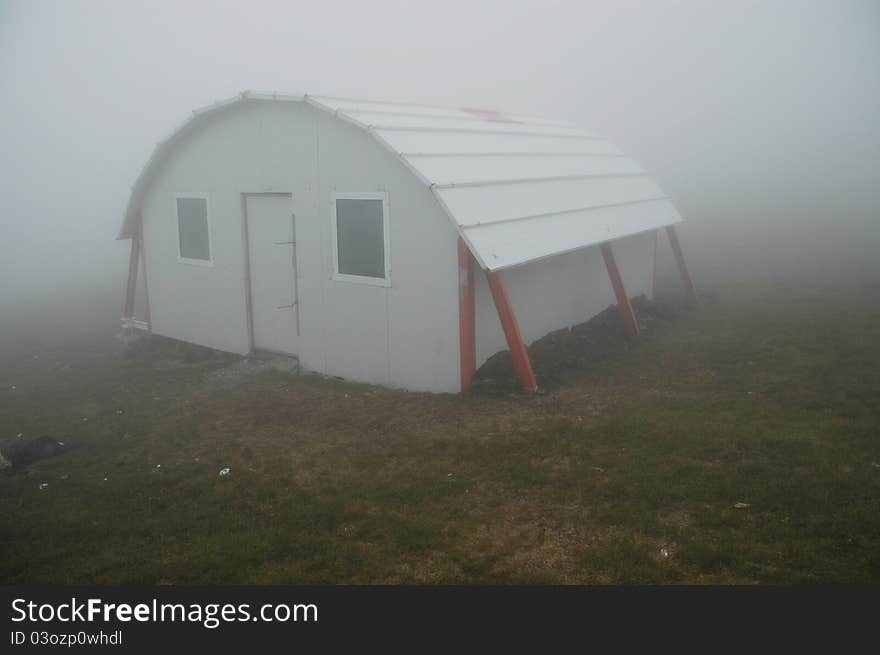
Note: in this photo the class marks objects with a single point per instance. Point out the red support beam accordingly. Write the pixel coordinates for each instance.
(128, 311)
(689, 288)
(518, 350)
(466, 315)
(147, 318)
(623, 304)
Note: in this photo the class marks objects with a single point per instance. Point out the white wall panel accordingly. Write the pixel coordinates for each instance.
(405, 335)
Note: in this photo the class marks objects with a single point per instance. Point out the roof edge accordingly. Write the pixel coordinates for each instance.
(129, 219)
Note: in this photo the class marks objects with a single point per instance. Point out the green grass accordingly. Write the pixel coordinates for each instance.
(770, 399)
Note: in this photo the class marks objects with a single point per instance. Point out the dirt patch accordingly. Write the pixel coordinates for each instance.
(675, 518)
(17, 453)
(567, 353)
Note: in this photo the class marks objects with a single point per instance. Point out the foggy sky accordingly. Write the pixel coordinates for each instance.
(758, 114)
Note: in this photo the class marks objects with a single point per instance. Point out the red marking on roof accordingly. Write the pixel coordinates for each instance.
(489, 115)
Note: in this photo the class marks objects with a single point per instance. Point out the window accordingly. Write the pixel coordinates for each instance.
(360, 238)
(193, 230)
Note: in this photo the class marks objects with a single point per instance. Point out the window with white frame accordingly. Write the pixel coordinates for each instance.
(193, 228)
(360, 238)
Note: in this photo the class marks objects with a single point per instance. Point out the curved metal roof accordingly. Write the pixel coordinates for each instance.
(517, 188)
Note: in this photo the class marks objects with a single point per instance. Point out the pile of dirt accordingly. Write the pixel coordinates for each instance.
(568, 352)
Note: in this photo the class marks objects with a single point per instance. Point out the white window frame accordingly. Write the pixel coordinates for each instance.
(386, 237)
(188, 260)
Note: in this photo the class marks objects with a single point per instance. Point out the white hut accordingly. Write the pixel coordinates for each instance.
(348, 233)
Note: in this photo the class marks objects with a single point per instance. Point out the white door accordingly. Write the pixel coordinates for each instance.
(272, 259)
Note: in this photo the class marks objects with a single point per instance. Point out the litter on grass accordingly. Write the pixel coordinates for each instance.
(224, 472)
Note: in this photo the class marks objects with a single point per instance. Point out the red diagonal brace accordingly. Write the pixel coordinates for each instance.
(689, 288)
(147, 318)
(466, 315)
(623, 304)
(515, 343)
(133, 266)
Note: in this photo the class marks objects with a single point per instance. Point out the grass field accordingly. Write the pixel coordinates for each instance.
(628, 469)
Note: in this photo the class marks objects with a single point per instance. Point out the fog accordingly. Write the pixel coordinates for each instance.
(761, 119)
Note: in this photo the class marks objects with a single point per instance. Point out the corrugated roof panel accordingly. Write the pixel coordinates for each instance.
(469, 169)
(534, 120)
(507, 244)
(504, 202)
(387, 121)
(478, 144)
(351, 105)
